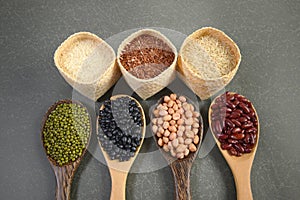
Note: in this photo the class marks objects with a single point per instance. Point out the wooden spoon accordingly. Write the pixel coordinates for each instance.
(119, 170)
(64, 174)
(181, 168)
(240, 166)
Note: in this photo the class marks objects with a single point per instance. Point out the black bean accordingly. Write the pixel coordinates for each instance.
(118, 122)
(133, 149)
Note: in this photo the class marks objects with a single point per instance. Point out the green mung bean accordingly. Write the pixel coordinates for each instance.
(66, 132)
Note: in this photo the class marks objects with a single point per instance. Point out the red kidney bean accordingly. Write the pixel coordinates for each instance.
(214, 118)
(214, 127)
(236, 122)
(253, 119)
(244, 100)
(247, 150)
(227, 132)
(222, 121)
(218, 126)
(236, 130)
(222, 141)
(242, 119)
(239, 147)
(252, 139)
(247, 138)
(251, 130)
(215, 113)
(222, 136)
(214, 106)
(234, 115)
(229, 123)
(220, 102)
(223, 110)
(232, 141)
(248, 104)
(254, 136)
(232, 151)
(251, 113)
(223, 114)
(236, 103)
(248, 125)
(226, 146)
(230, 105)
(230, 98)
(237, 136)
(237, 96)
(238, 111)
(246, 116)
(228, 110)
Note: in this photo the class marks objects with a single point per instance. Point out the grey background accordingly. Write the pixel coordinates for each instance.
(267, 32)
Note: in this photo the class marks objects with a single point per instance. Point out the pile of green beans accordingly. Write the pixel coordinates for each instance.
(66, 132)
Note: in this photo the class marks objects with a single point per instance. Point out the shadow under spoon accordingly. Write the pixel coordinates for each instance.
(240, 166)
(119, 170)
(64, 174)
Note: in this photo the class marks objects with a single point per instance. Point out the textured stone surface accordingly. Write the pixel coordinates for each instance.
(267, 32)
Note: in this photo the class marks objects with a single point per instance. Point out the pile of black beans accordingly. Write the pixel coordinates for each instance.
(120, 128)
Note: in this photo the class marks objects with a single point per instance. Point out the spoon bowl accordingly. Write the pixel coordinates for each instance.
(240, 166)
(119, 170)
(181, 168)
(64, 174)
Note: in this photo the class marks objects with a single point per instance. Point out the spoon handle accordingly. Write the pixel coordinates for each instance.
(181, 172)
(64, 176)
(118, 184)
(243, 185)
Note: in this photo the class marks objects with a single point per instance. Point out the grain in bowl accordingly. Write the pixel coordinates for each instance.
(87, 63)
(147, 59)
(208, 60)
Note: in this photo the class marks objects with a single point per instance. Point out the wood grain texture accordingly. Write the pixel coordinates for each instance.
(118, 184)
(240, 166)
(64, 174)
(181, 173)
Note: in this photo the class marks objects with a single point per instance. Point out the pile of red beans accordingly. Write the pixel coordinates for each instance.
(234, 122)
